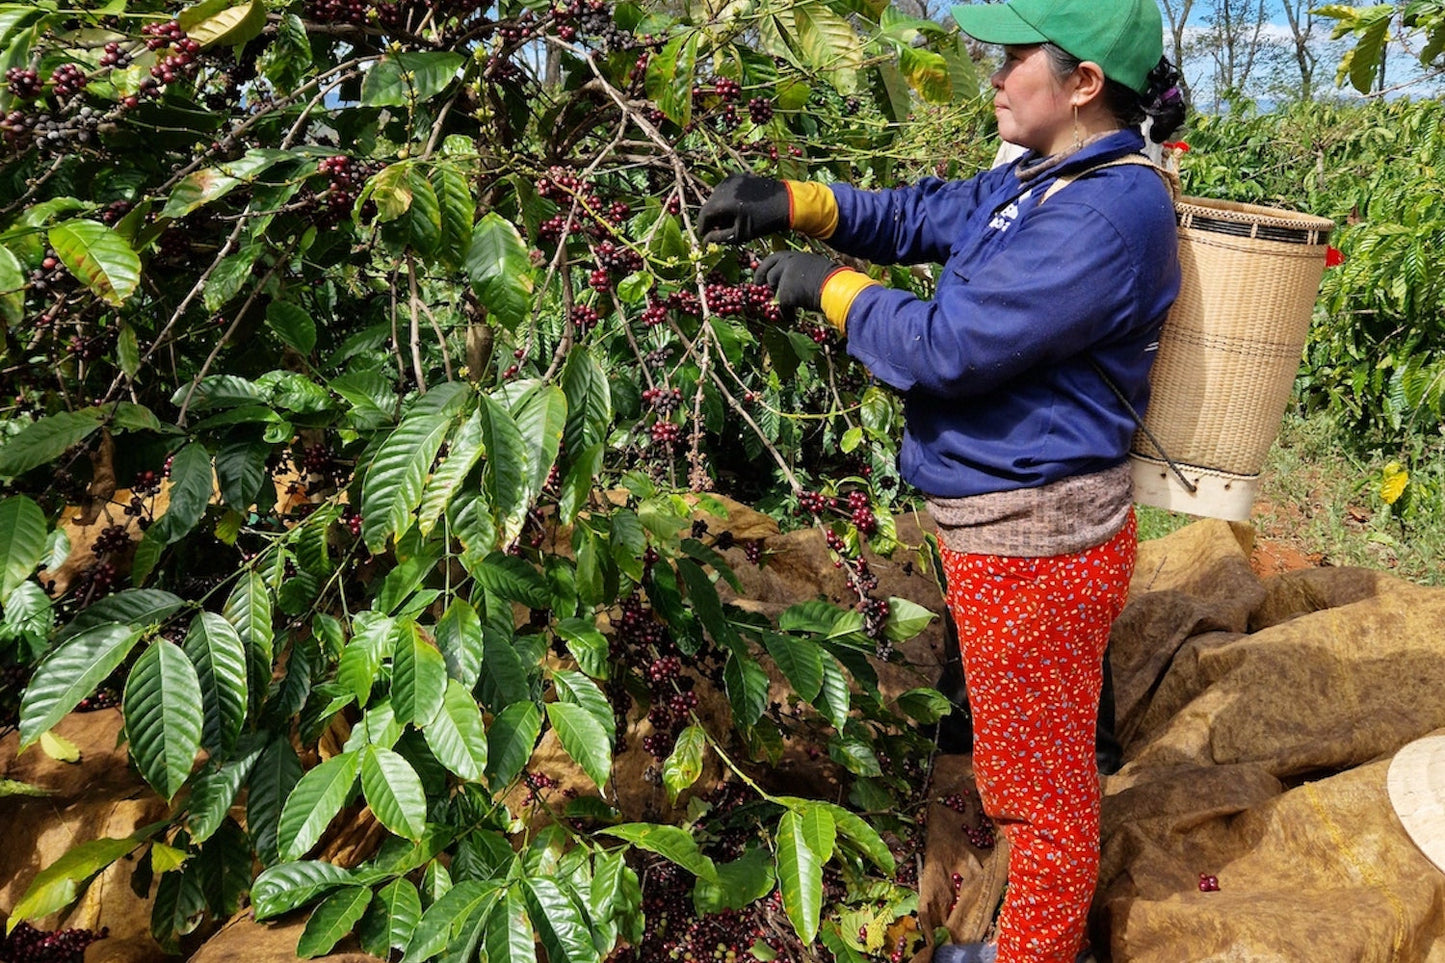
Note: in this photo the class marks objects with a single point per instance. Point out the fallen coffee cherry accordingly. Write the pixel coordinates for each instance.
(1208, 883)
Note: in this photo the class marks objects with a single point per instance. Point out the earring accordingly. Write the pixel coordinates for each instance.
(1078, 141)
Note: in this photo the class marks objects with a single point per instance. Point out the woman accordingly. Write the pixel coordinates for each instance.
(1012, 432)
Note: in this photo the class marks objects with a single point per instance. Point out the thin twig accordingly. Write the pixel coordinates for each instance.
(415, 325)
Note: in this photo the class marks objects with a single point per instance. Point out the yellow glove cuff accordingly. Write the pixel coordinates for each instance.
(812, 209)
(839, 290)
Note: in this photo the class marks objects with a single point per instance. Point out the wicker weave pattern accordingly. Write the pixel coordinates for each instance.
(1231, 347)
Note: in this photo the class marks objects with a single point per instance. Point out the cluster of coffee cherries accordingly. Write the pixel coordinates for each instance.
(23, 83)
(181, 62)
(1208, 883)
(746, 300)
(859, 509)
(345, 177)
(726, 92)
(591, 19)
(667, 435)
(664, 401)
(25, 944)
(537, 783)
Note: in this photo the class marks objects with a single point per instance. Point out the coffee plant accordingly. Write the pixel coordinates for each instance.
(377, 336)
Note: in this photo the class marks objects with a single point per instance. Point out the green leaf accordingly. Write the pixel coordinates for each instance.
(22, 542)
(684, 765)
(924, 706)
(419, 678)
(670, 842)
(292, 325)
(163, 716)
(420, 226)
(449, 915)
(57, 885)
(138, 607)
(45, 440)
(212, 183)
(457, 735)
(215, 648)
(459, 637)
(276, 773)
(285, 886)
(856, 756)
(513, 579)
(221, 23)
(393, 485)
(393, 792)
(71, 673)
(670, 77)
(740, 882)
(361, 659)
(391, 919)
(540, 417)
(314, 802)
(398, 80)
(706, 605)
(860, 834)
(510, 742)
(190, 492)
(747, 687)
(248, 609)
(214, 792)
(560, 923)
(100, 258)
(457, 210)
(464, 449)
(588, 646)
(127, 351)
(500, 271)
(833, 696)
(905, 619)
(509, 931)
(589, 401)
(801, 660)
(578, 689)
(583, 738)
(333, 919)
(800, 876)
(12, 287)
(241, 465)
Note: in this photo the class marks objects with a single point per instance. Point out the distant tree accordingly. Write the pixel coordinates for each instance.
(1300, 14)
(1235, 38)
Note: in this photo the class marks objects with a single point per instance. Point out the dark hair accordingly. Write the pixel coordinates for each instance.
(1162, 99)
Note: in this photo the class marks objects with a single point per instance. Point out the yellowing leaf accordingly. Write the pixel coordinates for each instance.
(166, 858)
(59, 748)
(1393, 482)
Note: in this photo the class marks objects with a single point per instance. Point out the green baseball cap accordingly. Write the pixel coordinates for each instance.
(1124, 37)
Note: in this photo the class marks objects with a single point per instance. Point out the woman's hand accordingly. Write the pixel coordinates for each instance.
(744, 207)
(797, 279)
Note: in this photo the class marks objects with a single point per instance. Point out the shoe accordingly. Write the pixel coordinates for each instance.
(965, 953)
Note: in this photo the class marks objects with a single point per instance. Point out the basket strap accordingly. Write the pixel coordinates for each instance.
(1189, 486)
(1171, 178)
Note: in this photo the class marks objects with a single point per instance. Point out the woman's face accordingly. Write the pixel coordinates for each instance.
(1032, 106)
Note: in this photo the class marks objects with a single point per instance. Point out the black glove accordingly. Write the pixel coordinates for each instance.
(744, 207)
(796, 278)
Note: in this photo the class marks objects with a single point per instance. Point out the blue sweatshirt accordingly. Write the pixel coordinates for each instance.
(995, 371)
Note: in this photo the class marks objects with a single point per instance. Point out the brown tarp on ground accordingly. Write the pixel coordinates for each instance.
(1258, 716)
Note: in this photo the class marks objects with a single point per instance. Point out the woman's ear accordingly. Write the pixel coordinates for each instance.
(1088, 82)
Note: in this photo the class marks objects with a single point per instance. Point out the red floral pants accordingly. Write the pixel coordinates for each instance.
(1033, 632)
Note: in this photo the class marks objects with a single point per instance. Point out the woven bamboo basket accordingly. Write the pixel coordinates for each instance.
(1228, 353)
